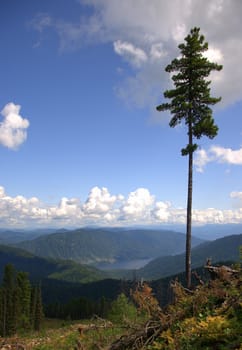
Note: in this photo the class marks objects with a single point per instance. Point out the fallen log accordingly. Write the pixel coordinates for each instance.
(223, 272)
(139, 338)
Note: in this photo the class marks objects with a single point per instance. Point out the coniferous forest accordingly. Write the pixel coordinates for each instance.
(20, 303)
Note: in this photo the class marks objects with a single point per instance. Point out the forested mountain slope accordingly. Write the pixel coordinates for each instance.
(223, 249)
(39, 268)
(89, 245)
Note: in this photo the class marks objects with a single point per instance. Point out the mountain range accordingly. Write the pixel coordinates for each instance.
(208, 232)
(14, 236)
(220, 250)
(63, 280)
(61, 255)
(91, 246)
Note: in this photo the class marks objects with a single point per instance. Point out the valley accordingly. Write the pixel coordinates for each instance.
(100, 245)
(87, 255)
(72, 290)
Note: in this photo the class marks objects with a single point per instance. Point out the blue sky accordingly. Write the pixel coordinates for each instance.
(81, 141)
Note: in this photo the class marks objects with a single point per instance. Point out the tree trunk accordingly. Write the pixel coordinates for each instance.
(4, 313)
(189, 209)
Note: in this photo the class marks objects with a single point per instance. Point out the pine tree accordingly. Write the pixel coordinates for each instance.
(190, 102)
(8, 324)
(19, 308)
(23, 289)
(36, 309)
(2, 312)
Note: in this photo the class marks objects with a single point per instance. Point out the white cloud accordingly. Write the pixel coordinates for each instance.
(236, 195)
(237, 199)
(227, 155)
(102, 208)
(179, 32)
(137, 205)
(16, 211)
(13, 128)
(134, 55)
(201, 159)
(99, 202)
(214, 55)
(217, 154)
(156, 27)
(157, 52)
(67, 208)
(161, 211)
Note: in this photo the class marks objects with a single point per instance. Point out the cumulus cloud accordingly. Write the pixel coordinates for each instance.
(102, 208)
(137, 205)
(13, 128)
(161, 211)
(217, 154)
(99, 202)
(141, 30)
(67, 209)
(17, 210)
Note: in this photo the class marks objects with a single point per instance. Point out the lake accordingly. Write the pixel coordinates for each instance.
(124, 264)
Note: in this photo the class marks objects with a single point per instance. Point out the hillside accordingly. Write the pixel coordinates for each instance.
(207, 317)
(90, 246)
(223, 249)
(208, 232)
(40, 268)
(16, 236)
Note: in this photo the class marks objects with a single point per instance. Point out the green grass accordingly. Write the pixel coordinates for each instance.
(59, 334)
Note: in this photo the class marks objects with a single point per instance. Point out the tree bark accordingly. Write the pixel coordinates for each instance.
(189, 208)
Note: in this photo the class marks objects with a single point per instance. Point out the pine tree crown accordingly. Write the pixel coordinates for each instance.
(190, 99)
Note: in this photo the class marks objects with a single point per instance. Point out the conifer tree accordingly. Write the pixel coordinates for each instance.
(19, 308)
(23, 289)
(36, 307)
(190, 100)
(8, 324)
(2, 312)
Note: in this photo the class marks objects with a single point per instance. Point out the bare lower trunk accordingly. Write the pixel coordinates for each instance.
(189, 213)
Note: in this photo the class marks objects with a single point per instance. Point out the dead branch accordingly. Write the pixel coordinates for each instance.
(222, 272)
(104, 324)
(138, 339)
(175, 284)
(198, 278)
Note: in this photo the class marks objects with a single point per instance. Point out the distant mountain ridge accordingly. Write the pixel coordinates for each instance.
(64, 280)
(206, 232)
(89, 246)
(222, 249)
(14, 236)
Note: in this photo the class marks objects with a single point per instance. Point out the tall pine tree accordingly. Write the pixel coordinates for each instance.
(189, 103)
